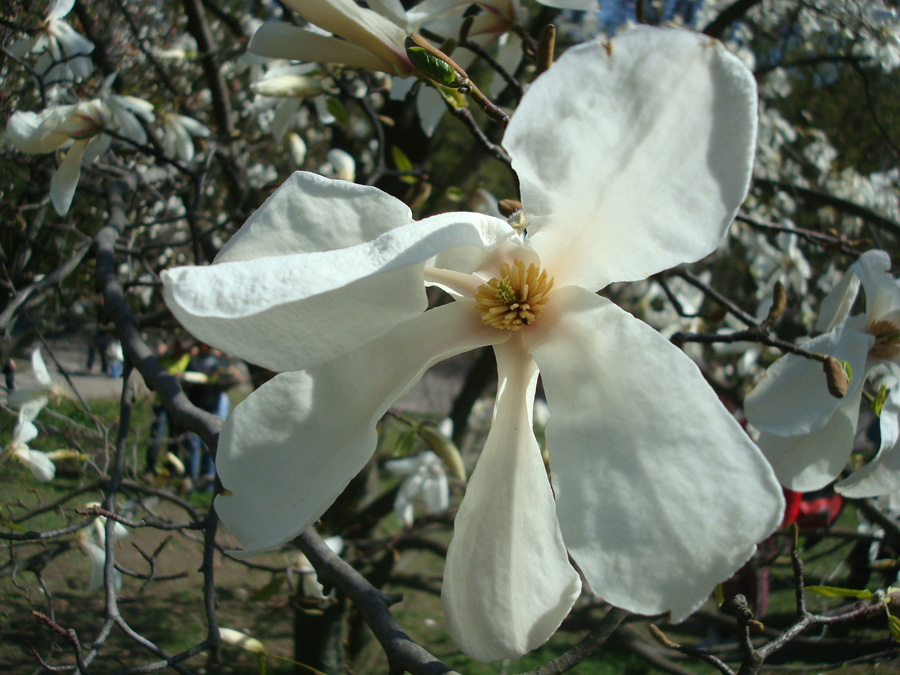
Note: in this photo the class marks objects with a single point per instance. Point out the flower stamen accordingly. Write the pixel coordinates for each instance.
(514, 299)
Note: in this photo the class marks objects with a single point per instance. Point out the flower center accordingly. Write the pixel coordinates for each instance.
(516, 298)
(887, 340)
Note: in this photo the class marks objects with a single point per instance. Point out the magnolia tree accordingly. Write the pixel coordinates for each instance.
(649, 219)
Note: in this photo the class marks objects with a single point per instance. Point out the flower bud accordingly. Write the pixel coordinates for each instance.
(444, 448)
(779, 302)
(509, 206)
(835, 377)
(434, 63)
(545, 47)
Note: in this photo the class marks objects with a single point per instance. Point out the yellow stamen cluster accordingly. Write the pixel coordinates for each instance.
(887, 339)
(516, 298)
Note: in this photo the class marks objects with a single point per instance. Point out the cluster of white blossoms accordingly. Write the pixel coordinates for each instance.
(63, 53)
(644, 167)
(373, 37)
(84, 128)
(30, 401)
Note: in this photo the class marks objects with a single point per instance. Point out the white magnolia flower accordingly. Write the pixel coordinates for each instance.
(808, 433)
(64, 52)
(177, 131)
(93, 542)
(642, 168)
(82, 128)
(361, 37)
(374, 37)
(44, 389)
(425, 476)
(285, 87)
(882, 44)
(37, 462)
(784, 262)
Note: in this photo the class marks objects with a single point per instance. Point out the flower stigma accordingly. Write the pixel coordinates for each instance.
(887, 340)
(516, 298)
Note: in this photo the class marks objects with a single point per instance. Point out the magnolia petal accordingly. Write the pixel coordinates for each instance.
(792, 397)
(194, 127)
(657, 154)
(359, 26)
(38, 133)
(403, 505)
(889, 417)
(129, 125)
(278, 40)
(401, 86)
(874, 271)
(57, 9)
(177, 142)
(72, 42)
(508, 583)
(509, 55)
(403, 465)
(311, 213)
(65, 180)
(436, 493)
(242, 640)
(40, 369)
(96, 146)
(430, 107)
(294, 444)
(38, 463)
(284, 113)
(21, 48)
(28, 412)
(294, 311)
(97, 563)
(655, 506)
(836, 306)
(811, 461)
(881, 476)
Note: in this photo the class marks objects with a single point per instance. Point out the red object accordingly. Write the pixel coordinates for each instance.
(811, 509)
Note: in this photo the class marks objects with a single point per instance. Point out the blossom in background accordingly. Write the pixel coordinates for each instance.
(361, 37)
(82, 127)
(881, 43)
(244, 641)
(310, 586)
(296, 148)
(286, 87)
(93, 542)
(339, 164)
(807, 432)
(177, 132)
(784, 262)
(643, 168)
(37, 462)
(64, 53)
(425, 476)
(374, 38)
(44, 389)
